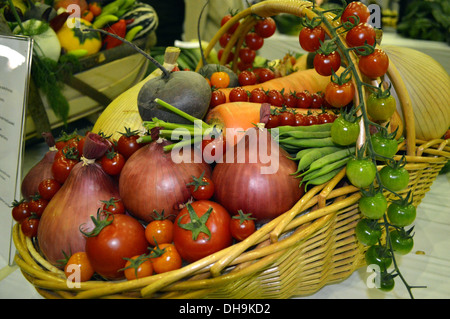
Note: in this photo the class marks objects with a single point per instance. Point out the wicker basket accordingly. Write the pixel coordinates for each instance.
(296, 254)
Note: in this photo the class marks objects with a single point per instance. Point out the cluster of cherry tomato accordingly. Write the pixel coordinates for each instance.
(328, 60)
(254, 40)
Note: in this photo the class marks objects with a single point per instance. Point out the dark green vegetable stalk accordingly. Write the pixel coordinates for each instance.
(367, 148)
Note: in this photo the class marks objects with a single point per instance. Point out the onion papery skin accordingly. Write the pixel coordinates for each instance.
(150, 180)
(42, 170)
(243, 186)
(72, 206)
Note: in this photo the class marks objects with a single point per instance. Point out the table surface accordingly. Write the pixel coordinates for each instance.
(427, 265)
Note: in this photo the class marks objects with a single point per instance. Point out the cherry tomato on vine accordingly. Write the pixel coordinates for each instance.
(368, 231)
(378, 255)
(238, 94)
(62, 167)
(113, 206)
(127, 143)
(344, 132)
(361, 172)
(112, 163)
(300, 119)
(387, 282)
(78, 267)
(254, 41)
(358, 9)
(213, 148)
(275, 98)
(273, 121)
(201, 187)
(247, 55)
(159, 230)
(325, 63)
(384, 146)
(229, 57)
(290, 100)
(373, 206)
(311, 119)
(37, 205)
(247, 77)
(266, 27)
(48, 188)
(339, 95)
(20, 210)
(201, 228)
(217, 98)
(258, 95)
(224, 39)
(286, 118)
(360, 34)
(263, 74)
(29, 226)
(401, 214)
(242, 225)
(381, 108)
(310, 38)
(165, 257)
(220, 79)
(394, 178)
(304, 100)
(402, 241)
(375, 64)
(317, 100)
(326, 118)
(138, 266)
(225, 19)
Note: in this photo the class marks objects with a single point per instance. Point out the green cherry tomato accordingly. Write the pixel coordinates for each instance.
(395, 179)
(401, 215)
(378, 255)
(373, 207)
(381, 109)
(384, 146)
(387, 282)
(368, 231)
(401, 241)
(344, 132)
(361, 172)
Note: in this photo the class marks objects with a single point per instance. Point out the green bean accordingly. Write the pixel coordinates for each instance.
(301, 153)
(304, 134)
(324, 178)
(325, 169)
(307, 142)
(313, 155)
(310, 128)
(330, 158)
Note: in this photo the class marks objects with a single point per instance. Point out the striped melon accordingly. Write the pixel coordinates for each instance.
(142, 14)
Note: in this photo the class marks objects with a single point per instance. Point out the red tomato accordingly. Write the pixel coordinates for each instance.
(165, 258)
(238, 94)
(247, 55)
(242, 225)
(263, 74)
(232, 28)
(229, 58)
(127, 143)
(254, 41)
(29, 226)
(217, 98)
(113, 206)
(112, 163)
(310, 38)
(48, 188)
(304, 100)
(358, 9)
(20, 211)
(37, 205)
(300, 119)
(266, 27)
(246, 77)
(258, 95)
(244, 66)
(62, 167)
(275, 98)
(201, 187)
(201, 229)
(312, 120)
(121, 236)
(290, 100)
(273, 121)
(360, 34)
(212, 144)
(224, 39)
(286, 118)
(339, 95)
(317, 100)
(326, 118)
(324, 64)
(375, 64)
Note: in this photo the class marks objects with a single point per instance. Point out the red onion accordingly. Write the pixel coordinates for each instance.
(78, 199)
(40, 171)
(153, 179)
(256, 177)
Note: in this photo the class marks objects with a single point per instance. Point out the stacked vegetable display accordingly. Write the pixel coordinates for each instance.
(191, 180)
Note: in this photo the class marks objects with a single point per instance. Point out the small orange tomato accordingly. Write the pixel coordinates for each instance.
(220, 79)
(138, 267)
(79, 268)
(160, 230)
(164, 258)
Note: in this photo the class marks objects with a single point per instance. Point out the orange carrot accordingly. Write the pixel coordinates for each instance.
(295, 82)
